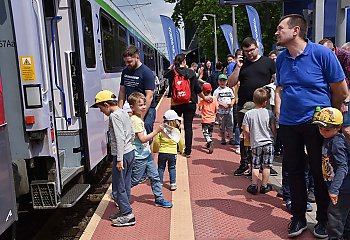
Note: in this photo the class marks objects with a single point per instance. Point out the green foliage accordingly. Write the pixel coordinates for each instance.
(190, 12)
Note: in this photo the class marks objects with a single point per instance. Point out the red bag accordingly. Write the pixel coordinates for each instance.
(181, 89)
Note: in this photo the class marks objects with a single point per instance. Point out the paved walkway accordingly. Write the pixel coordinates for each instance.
(210, 203)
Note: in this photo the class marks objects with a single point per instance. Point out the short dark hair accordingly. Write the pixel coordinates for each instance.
(273, 52)
(325, 40)
(248, 41)
(260, 95)
(179, 58)
(238, 52)
(218, 65)
(230, 55)
(131, 51)
(135, 97)
(297, 20)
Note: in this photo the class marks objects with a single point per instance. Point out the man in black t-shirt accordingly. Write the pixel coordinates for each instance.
(137, 77)
(253, 72)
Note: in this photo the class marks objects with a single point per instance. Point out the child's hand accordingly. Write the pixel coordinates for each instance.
(334, 198)
(120, 166)
(159, 128)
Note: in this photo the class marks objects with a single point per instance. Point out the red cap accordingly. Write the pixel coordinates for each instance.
(207, 87)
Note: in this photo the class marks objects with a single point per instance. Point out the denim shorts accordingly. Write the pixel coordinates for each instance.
(346, 120)
(262, 156)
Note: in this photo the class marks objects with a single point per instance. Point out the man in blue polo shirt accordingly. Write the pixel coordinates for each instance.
(137, 77)
(308, 76)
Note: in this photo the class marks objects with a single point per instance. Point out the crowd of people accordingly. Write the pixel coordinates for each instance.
(293, 102)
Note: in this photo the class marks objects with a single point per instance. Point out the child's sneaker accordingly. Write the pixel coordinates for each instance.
(207, 145)
(114, 216)
(231, 142)
(127, 220)
(173, 186)
(163, 203)
(265, 189)
(223, 141)
(237, 150)
(253, 189)
(211, 147)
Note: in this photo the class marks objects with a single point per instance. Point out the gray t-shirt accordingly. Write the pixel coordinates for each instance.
(259, 121)
(121, 134)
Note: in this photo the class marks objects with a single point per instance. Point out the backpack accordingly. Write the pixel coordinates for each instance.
(181, 89)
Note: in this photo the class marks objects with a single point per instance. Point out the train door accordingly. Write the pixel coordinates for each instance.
(78, 58)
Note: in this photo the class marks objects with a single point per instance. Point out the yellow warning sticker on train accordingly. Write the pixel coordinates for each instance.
(27, 68)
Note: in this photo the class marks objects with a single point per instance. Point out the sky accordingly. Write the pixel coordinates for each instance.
(150, 23)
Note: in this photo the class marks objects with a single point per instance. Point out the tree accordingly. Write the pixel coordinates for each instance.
(190, 13)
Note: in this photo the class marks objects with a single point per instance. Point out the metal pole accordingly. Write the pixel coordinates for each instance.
(234, 29)
(340, 33)
(215, 40)
(318, 20)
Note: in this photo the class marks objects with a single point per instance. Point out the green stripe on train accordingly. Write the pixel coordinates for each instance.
(110, 10)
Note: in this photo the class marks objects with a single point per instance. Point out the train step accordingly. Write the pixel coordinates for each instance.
(73, 195)
(68, 173)
(44, 194)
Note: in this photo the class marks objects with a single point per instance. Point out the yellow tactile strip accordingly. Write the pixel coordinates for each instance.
(96, 218)
(181, 226)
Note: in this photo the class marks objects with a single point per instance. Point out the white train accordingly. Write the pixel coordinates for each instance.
(55, 55)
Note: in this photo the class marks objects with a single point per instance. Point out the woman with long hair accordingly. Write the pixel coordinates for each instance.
(186, 109)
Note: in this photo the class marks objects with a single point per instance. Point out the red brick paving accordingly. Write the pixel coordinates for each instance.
(151, 222)
(221, 207)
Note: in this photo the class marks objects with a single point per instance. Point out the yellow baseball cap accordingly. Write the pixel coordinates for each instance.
(329, 117)
(103, 96)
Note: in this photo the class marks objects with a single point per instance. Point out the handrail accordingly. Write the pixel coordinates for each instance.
(68, 120)
(42, 44)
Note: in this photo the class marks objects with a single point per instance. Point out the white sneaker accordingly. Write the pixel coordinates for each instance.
(237, 150)
(173, 186)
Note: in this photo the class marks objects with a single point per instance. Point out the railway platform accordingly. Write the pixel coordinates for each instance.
(209, 203)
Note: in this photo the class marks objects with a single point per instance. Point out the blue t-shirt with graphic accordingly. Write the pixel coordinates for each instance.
(305, 81)
(138, 80)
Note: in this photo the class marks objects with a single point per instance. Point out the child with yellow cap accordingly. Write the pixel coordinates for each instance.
(335, 169)
(123, 154)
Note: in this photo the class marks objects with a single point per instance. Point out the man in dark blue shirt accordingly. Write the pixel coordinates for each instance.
(308, 76)
(137, 77)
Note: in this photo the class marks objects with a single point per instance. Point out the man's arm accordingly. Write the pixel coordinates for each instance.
(278, 93)
(233, 78)
(339, 92)
(121, 97)
(273, 78)
(149, 98)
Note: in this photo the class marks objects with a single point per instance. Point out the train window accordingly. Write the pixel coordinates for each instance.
(114, 41)
(88, 34)
(131, 40)
(122, 33)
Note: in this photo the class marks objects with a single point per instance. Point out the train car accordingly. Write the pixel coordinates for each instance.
(55, 55)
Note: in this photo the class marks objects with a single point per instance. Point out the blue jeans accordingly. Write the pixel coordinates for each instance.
(171, 159)
(237, 133)
(147, 165)
(150, 117)
(121, 182)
